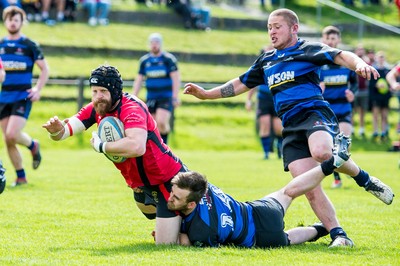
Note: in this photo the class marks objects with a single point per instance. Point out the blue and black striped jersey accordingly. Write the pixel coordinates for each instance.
(157, 71)
(219, 220)
(337, 80)
(292, 75)
(19, 58)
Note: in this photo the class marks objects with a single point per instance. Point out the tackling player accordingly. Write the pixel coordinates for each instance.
(213, 218)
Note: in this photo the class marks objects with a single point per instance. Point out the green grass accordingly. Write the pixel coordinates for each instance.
(78, 211)
(60, 66)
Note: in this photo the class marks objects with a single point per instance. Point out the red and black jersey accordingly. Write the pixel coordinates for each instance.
(158, 164)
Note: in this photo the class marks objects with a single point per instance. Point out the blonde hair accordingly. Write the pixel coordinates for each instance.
(11, 11)
(289, 15)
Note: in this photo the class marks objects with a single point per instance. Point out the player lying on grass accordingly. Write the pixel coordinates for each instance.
(213, 218)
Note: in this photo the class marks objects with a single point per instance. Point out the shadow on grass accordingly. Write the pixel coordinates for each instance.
(142, 248)
(149, 248)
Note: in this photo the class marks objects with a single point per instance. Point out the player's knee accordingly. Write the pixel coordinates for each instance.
(321, 155)
(163, 128)
(11, 138)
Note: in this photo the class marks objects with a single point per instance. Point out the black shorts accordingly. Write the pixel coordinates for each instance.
(345, 118)
(266, 107)
(158, 196)
(268, 216)
(20, 108)
(381, 101)
(297, 130)
(154, 104)
(362, 100)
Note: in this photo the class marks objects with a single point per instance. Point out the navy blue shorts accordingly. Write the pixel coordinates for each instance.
(265, 107)
(345, 118)
(154, 104)
(20, 108)
(298, 129)
(268, 216)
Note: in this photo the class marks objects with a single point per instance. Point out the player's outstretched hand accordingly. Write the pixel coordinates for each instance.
(366, 71)
(195, 90)
(54, 125)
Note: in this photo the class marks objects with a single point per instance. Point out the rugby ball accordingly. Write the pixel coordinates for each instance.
(111, 129)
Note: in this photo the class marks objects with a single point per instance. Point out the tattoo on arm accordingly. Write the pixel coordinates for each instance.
(227, 91)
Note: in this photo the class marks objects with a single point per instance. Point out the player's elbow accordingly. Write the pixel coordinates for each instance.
(136, 151)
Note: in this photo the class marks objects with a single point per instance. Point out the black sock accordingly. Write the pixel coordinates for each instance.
(328, 167)
(336, 176)
(362, 179)
(337, 231)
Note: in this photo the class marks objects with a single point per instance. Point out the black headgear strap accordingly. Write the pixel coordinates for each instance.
(109, 78)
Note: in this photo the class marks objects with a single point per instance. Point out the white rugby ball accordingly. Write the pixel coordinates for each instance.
(111, 129)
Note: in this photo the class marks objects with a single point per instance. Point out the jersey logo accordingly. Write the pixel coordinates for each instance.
(226, 220)
(335, 80)
(280, 78)
(14, 65)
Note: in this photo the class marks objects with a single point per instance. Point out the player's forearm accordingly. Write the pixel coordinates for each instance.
(232, 88)
(43, 76)
(65, 130)
(348, 60)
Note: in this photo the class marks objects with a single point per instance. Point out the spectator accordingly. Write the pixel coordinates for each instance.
(371, 56)
(393, 78)
(32, 9)
(380, 95)
(201, 15)
(361, 103)
(183, 8)
(46, 5)
(98, 11)
(70, 10)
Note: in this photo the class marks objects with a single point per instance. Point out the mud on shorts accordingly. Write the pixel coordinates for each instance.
(21, 108)
(299, 128)
(268, 216)
(164, 103)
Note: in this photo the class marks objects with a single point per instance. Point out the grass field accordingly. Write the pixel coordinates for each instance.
(77, 209)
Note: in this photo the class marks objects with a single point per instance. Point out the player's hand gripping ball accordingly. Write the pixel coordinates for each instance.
(111, 129)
